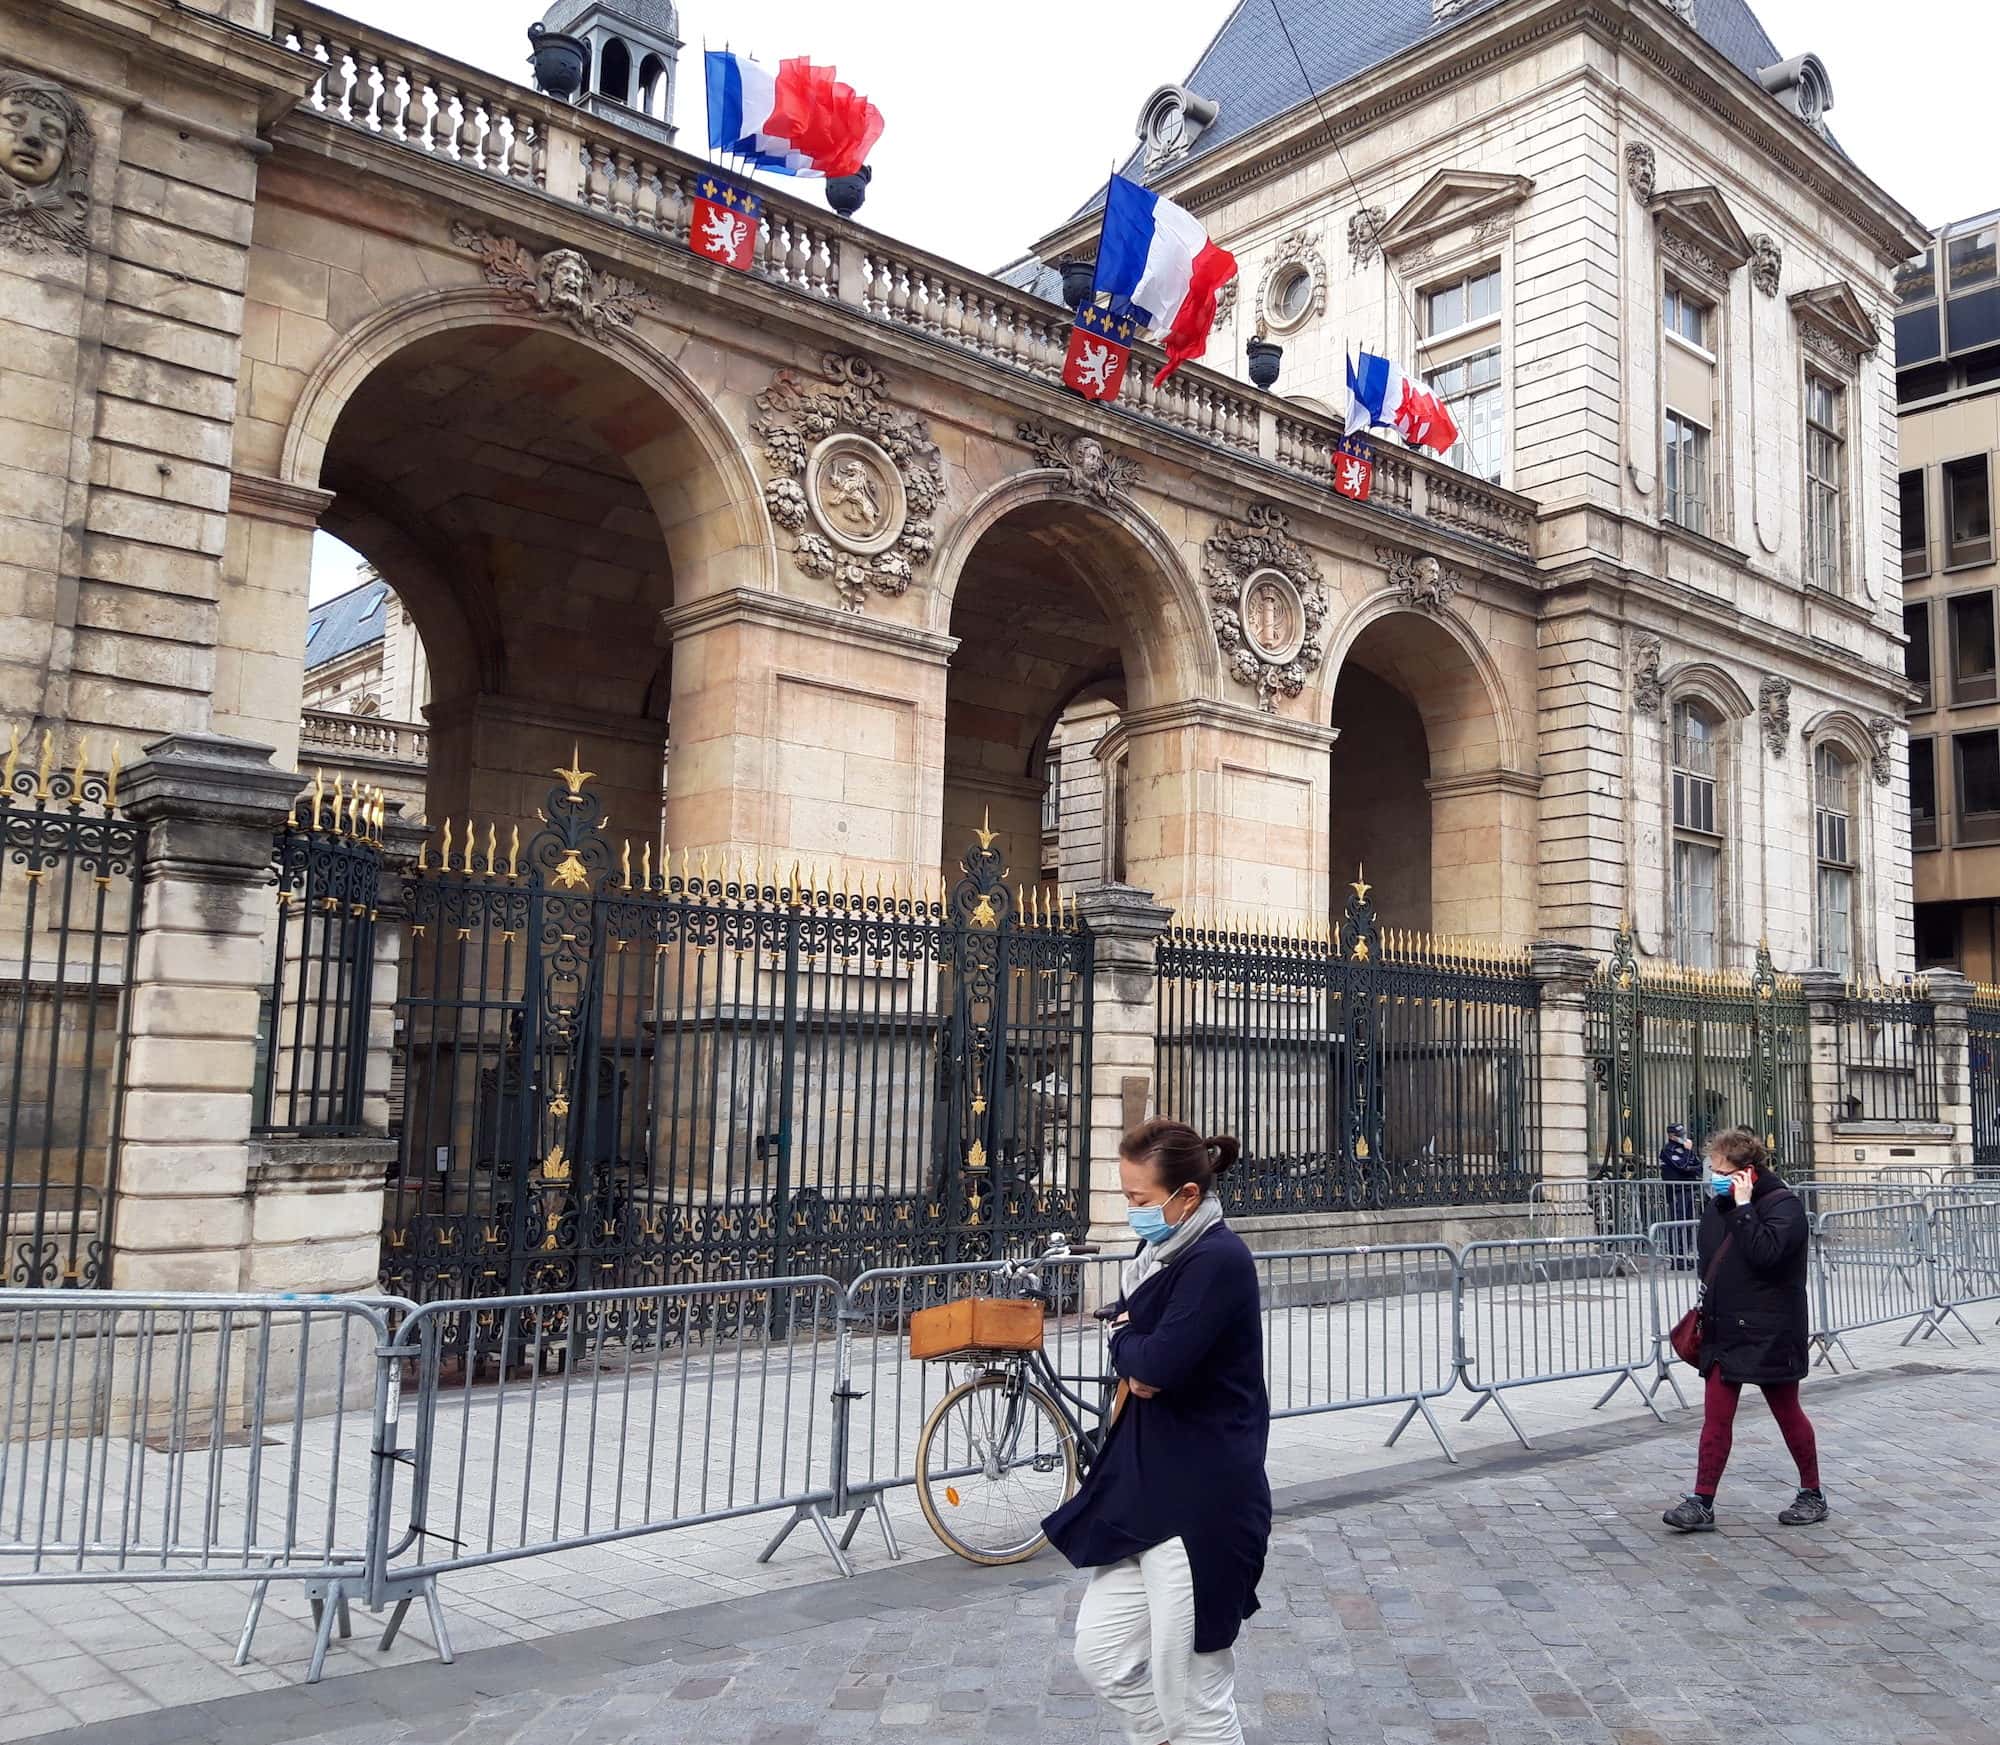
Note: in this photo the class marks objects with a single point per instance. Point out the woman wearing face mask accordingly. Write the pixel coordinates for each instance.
(1175, 1513)
(1751, 1249)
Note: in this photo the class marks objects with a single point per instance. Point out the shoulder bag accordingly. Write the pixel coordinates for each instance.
(1686, 1336)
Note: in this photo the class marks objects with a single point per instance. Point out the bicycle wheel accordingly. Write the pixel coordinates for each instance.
(995, 1457)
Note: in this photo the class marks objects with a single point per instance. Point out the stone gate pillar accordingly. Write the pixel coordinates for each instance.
(1125, 927)
(1565, 973)
(1825, 1093)
(1951, 998)
(211, 805)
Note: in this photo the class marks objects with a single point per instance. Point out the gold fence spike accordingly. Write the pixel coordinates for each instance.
(492, 848)
(471, 832)
(625, 865)
(444, 855)
(13, 758)
(47, 764)
(318, 793)
(339, 800)
(82, 766)
(646, 865)
(514, 852)
(424, 855)
(792, 895)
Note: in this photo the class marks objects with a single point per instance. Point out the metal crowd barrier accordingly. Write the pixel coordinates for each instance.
(1509, 1338)
(193, 1438)
(343, 1443)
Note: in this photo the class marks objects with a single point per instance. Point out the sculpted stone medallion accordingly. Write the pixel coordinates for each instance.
(45, 150)
(855, 495)
(1274, 617)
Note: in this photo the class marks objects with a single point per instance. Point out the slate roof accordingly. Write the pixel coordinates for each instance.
(1250, 72)
(346, 622)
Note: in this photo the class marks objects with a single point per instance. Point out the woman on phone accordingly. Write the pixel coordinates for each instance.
(1751, 1248)
(1174, 1516)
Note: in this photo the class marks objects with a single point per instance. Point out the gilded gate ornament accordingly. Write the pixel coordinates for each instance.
(854, 480)
(561, 284)
(1267, 602)
(45, 153)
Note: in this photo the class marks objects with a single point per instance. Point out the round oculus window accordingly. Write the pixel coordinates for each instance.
(1291, 296)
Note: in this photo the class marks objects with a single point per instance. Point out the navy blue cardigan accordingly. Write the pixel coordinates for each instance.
(1189, 1463)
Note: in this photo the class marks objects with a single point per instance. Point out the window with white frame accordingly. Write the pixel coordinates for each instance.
(1826, 461)
(1462, 366)
(1686, 472)
(1697, 835)
(1689, 318)
(1833, 839)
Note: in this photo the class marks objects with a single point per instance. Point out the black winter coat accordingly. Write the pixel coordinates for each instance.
(1755, 1326)
(1187, 1464)
(1681, 1163)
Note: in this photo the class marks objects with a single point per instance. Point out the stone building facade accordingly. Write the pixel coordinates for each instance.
(835, 523)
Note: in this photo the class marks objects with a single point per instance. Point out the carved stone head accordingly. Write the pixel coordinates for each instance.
(1088, 457)
(567, 277)
(1766, 263)
(45, 150)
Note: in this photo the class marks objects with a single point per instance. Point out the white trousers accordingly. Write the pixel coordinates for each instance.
(1135, 1648)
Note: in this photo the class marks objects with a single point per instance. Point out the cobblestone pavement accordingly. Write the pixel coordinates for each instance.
(1524, 1597)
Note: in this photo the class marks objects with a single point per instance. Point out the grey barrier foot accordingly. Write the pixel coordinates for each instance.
(1492, 1397)
(802, 1513)
(1422, 1406)
(425, 1589)
(1638, 1387)
(250, 1619)
(875, 1506)
(329, 1605)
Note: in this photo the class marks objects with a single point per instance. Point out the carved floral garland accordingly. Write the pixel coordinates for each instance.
(797, 417)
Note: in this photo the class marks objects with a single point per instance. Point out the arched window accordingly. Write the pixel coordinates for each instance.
(1833, 841)
(614, 71)
(653, 87)
(1697, 837)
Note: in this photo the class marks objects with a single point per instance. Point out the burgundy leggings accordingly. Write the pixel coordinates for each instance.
(1718, 1424)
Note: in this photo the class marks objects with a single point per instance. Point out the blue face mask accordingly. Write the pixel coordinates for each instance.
(1722, 1184)
(1149, 1223)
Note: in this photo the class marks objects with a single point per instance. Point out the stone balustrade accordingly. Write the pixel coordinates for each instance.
(344, 736)
(429, 103)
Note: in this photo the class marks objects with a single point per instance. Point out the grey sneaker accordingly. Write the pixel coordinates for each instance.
(1692, 1515)
(1808, 1508)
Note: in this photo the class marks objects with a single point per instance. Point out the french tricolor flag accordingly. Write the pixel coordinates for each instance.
(1156, 261)
(800, 122)
(1380, 394)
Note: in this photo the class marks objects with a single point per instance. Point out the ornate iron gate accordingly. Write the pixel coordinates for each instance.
(1708, 1048)
(619, 1074)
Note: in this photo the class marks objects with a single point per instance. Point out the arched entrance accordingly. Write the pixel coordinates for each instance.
(1071, 619)
(1426, 791)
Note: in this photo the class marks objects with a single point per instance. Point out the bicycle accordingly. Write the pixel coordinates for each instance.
(1007, 1446)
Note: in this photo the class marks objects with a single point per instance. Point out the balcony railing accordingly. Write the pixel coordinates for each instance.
(335, 737)
(428, 103)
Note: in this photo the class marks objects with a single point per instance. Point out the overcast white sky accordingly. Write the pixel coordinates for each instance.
(1001, 120)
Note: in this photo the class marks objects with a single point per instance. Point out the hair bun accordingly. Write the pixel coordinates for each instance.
(1225, 1151)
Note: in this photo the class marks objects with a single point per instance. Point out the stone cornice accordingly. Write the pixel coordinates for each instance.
(783, 612)
(264, 499)
(1493, 781)
(1200, 712)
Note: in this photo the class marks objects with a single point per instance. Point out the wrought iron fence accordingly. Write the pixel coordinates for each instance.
(1982, 1061)
(312, 1058)
(1887, 1053)
(1710, 1049)
(621, 1076)
(1372, 1069)
(69, 875)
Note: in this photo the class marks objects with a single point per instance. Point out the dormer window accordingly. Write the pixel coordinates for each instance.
(1173, 119)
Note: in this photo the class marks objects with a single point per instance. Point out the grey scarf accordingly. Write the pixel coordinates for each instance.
(1187, 1232)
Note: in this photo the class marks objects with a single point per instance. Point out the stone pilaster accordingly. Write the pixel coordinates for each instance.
(1826, 1093)
(210, 805)
(1125, 927)
(1951, 995)
(1564, 973)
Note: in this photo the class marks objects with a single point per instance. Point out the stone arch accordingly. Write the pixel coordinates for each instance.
(1178, 655)
(1715, 686)
(550, 494)
(1427, 788)
(1046, 593)
(712, 515)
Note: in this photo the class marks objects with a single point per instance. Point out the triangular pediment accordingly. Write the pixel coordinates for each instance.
(1838, 314)
(1701, 217)
(1452, 200)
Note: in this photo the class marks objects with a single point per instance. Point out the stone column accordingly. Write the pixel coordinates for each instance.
(1565, 973)
(1951, 996)
(1125, 927)
(262, 610)
(210, 805)
(802, 733)
(1228, 809)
